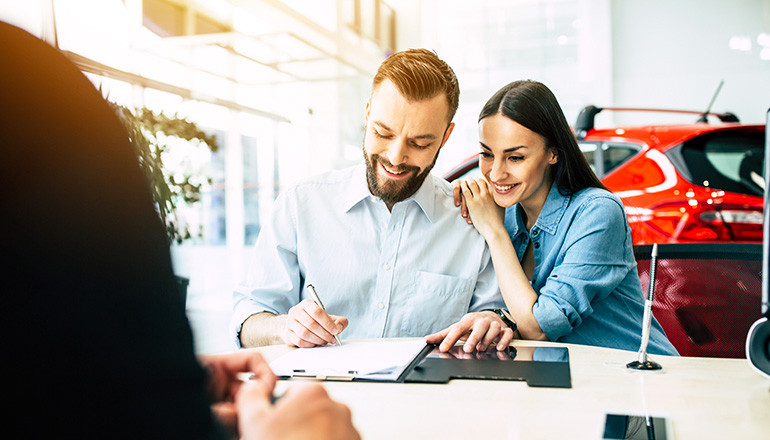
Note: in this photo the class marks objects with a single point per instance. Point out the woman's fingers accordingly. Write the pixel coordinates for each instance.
(465, 195)
(457, 192)
(474, 187)
(484, 188)
(472, 190)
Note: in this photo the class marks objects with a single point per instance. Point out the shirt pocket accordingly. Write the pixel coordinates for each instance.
(436, 301)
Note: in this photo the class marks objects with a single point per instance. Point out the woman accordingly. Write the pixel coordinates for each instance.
(559, 240)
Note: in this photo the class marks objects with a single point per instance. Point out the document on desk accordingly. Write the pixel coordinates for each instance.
(378, 360)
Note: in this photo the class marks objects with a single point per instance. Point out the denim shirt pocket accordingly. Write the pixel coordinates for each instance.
(436, 302)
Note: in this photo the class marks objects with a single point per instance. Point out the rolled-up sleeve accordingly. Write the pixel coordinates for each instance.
(593, 261)
(272, 283)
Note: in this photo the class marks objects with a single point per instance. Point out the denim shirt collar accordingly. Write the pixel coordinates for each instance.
(553, 209)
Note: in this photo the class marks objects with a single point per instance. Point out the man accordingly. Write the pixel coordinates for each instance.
(382, 242)
(99, 342)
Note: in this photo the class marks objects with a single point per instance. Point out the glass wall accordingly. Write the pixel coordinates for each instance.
(564, 44)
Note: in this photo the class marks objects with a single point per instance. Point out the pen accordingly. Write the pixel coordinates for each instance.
(321, 305)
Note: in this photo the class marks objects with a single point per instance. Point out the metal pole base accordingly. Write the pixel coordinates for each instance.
(646, 365)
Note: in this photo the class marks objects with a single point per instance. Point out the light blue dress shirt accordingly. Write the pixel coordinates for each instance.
(585, 273)
(411, 271)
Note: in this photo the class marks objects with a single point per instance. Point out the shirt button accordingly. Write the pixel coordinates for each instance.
(387, 266)
(534, 232)
(537, 245)
(381, 305)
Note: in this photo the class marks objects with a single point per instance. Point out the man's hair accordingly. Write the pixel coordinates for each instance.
(420, 74)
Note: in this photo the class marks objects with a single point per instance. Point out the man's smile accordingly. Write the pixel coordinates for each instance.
(394, 173)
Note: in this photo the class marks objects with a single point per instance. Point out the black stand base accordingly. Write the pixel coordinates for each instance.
(646, 365)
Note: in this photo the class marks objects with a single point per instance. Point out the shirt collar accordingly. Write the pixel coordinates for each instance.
(359, 191)
(425, 197)
(550, 215)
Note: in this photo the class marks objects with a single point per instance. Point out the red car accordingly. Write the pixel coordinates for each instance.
(685, 183)
(698, 190)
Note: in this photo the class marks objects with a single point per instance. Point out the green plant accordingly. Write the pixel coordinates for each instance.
(148, 132)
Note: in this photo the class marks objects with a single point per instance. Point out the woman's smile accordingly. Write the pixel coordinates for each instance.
(504, 189)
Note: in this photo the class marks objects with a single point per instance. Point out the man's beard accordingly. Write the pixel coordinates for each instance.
(391, 191)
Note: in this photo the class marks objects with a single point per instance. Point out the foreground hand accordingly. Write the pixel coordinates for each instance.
(224, 383)
(304, 412)
(482, 211)
(479, 330)
(308, 325)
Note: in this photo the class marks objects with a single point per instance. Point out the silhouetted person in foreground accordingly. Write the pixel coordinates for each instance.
(99, 345)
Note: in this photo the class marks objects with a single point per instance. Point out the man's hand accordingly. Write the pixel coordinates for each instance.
(308, 325)
(304, 412)
(479, 330)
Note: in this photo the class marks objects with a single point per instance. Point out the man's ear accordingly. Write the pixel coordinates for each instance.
(447, 132)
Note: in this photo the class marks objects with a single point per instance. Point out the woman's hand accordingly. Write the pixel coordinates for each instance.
(478, 206)
(478, 329)
(457, 193)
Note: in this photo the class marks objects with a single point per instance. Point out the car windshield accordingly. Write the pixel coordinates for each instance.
(729, 161)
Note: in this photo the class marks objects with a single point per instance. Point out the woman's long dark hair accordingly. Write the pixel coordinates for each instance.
(534, 106)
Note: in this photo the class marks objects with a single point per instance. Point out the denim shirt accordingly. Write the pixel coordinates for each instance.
(585, 274)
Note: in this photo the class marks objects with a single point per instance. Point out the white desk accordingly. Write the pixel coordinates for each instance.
(704, 398)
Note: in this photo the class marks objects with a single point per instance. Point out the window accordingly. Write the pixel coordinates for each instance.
(589, 151)
(731, 161)
(473, 173)
(250, 191)
(615, 154)
(604, 157)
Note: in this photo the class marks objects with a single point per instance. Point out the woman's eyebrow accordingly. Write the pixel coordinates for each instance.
(507, 150)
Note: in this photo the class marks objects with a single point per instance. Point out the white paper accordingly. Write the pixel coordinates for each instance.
(382, 359)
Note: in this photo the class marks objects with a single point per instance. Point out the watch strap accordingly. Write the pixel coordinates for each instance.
(504, 316)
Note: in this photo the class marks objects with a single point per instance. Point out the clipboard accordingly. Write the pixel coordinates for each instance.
(413, 361)
(537, 366)
(381, 360)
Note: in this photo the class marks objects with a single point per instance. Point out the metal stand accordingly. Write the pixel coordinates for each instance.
(642, 362)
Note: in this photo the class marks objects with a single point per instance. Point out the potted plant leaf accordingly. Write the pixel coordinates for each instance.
(148, 132)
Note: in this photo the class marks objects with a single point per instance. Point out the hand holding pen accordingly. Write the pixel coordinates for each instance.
(308, 324)
(320, 304)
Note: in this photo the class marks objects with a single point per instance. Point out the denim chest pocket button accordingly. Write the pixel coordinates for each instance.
(537, 245)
